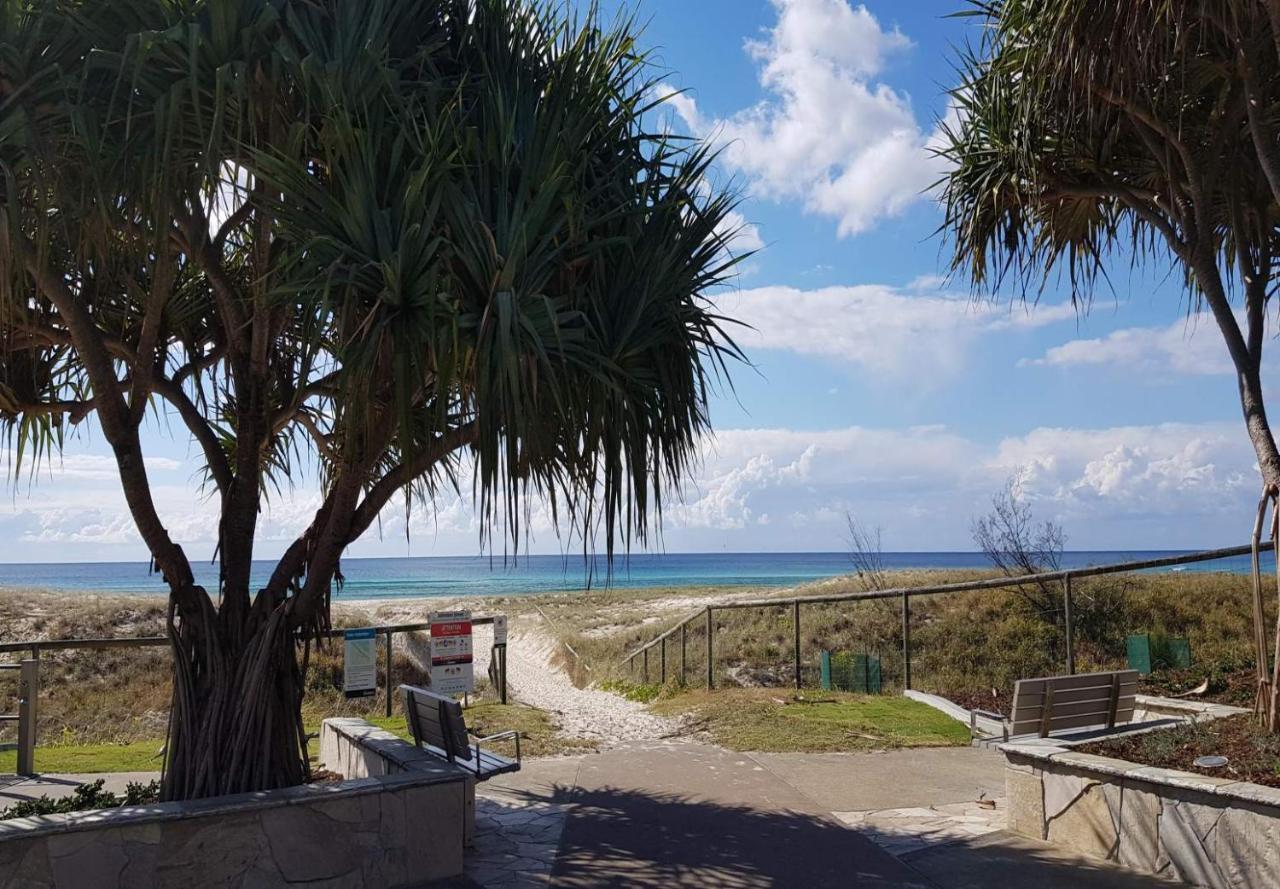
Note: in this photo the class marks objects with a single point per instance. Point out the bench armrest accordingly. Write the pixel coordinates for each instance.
(988, 714)
(500, 736)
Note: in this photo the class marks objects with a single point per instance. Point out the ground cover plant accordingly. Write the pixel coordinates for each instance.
(85, 798)
(1253, 753)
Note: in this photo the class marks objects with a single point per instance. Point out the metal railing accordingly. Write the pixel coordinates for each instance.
(905, 594)
(29, 686)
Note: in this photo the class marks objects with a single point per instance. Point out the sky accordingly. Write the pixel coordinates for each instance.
(877, 387)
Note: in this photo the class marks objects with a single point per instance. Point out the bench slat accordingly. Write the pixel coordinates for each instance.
(1073, 711)
(1077, 695)
(1082, 680)
(1059, 725)
(439, 726)
(1055, 703)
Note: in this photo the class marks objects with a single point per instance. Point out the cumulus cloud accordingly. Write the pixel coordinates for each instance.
(829, 132)
(1176, 485)
(890, 331)
(1191, 346)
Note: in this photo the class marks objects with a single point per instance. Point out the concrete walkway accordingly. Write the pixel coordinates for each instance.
(681, 814)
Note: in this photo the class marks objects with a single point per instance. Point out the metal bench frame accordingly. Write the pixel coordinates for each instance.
(438, 726)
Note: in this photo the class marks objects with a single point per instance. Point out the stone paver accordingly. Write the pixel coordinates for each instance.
(903, 831)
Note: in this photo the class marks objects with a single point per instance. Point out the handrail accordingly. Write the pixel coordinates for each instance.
(960, 587)
(150, 641)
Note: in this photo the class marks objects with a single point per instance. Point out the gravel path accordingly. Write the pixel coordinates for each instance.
(601, 716)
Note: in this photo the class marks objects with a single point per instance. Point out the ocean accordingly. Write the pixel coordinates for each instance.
(481, 576)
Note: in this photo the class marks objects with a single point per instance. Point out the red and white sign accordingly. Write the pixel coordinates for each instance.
(452, 672)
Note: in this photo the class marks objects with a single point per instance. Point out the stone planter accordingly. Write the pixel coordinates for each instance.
(1205, 831)
(394, 830)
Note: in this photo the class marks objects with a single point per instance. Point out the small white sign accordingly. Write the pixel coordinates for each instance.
(452, 671)
(360, 662)
(499, 629)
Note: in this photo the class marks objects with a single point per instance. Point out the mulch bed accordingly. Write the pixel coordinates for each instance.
(1252, 753)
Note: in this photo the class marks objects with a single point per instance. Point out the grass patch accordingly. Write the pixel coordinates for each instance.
(814, 722)
(640, 692)
(136, 756)
(538, 737)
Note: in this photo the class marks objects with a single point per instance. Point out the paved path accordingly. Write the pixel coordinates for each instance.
(681, 814)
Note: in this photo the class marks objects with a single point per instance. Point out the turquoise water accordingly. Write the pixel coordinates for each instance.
(479, 576)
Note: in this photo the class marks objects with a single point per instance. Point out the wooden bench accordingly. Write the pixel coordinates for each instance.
(437, 726)
(1060, 703)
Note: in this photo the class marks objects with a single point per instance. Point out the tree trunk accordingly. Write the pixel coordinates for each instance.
(236, 721)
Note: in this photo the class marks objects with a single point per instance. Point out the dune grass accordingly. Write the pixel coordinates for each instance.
(963, 644)
(813, 722)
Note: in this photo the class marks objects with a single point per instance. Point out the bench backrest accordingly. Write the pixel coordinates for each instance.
(436, 720)
(1058, 703)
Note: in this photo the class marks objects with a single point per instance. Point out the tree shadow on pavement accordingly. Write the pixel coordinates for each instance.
(629, 838)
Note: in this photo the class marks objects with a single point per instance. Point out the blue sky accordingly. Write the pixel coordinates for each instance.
(877, 388)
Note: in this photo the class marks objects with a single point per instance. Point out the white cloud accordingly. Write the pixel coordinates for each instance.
(886, 330)
(1176, 485)
(1161, 485)
(1192, 346)
(828, 133)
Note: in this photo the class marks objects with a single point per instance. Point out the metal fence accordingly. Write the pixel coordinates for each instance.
(638, 660)
(29, 673)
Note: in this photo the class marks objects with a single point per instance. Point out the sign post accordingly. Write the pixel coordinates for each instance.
(360, 663)
(451, 668)
(498, 656)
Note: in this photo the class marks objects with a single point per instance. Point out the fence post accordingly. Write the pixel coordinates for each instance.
(502, 671)
(796, 616)
(645, 676)
(684, 649)
(1071, 633)
(711, 682)
(28, 697)
(906, 641)
(663, 661)
(386, 648)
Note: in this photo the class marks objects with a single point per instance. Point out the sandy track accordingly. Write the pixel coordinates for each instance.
(533, 678)
(602, 716)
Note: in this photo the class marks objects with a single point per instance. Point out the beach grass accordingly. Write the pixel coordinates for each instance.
(973, 645)
(770, 721)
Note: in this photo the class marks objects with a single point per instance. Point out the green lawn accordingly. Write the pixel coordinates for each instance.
(139, 756)
(772, 720)
(538, 738)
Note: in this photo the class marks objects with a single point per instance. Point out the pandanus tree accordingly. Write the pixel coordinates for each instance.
(1095, 132)
(396, 244)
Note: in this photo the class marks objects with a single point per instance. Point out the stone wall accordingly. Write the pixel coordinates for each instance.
(353, 748)
(398, 830)
(1201, 830)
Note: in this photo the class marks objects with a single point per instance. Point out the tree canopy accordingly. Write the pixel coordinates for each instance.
(377, 240)
(1091, 133)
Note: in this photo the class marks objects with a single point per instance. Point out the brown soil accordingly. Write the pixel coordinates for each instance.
(1252, 753)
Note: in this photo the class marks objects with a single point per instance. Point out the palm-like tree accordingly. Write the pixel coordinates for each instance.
(1139, 130)
(396, 241)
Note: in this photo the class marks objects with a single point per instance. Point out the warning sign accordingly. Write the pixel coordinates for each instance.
(451, 668)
